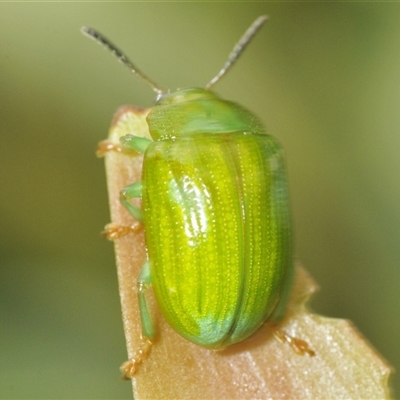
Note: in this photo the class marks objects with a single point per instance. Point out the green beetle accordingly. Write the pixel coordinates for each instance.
(214, 204)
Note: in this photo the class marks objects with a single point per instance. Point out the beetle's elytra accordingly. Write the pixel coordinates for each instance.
(214, 204)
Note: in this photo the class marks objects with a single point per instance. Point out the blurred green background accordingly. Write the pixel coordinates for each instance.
(325, 79)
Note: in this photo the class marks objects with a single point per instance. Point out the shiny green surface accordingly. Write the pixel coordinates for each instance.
(324, 77)
(196, 110)
(218, 233)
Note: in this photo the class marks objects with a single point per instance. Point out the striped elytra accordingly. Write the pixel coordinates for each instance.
(217, 229)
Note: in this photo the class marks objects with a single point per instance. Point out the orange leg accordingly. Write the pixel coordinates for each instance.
(300, 346)
(114, 231)
(130, 367)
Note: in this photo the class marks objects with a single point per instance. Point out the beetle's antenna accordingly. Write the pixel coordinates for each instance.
(239, 48)
(99, 38)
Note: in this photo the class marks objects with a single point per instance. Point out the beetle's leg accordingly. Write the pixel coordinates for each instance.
(128, 193)
(130, 367)
(143, 282)
(299, 346)
(129, 144)
(105, 146)
(114, 231)
(137, 144)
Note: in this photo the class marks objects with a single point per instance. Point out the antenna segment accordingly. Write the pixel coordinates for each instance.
(239, 48)
(122, 58)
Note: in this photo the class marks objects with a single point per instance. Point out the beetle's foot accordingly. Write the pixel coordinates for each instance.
(130, 367)
(115, 231)
(105, 146)
(298, 345)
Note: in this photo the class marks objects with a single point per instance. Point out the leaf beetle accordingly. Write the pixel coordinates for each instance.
(215, 209)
